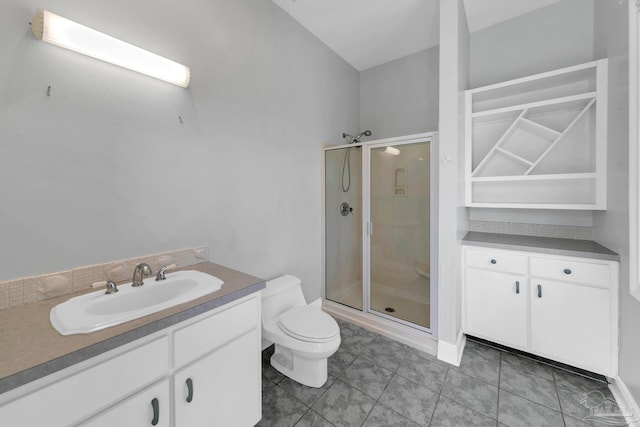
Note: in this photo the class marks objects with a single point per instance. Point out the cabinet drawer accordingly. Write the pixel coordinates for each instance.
(496, 260)
(138, 410)
(199, 338)
(572, 271)
(66, 402)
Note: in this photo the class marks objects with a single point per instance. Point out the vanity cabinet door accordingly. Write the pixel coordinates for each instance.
(496, 306)
(150, 407)
(572, 324)
(222, 388)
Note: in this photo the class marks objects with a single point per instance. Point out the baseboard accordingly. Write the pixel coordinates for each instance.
(625, 401)
(452, 353)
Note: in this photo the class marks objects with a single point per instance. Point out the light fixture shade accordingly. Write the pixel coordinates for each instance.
(392, 150)
(62, 32)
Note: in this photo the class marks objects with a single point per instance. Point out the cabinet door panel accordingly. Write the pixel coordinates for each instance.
(495, 309)
(225, 386)
(138, 410)
(572, 324)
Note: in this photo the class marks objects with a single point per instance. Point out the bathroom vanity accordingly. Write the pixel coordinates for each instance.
(190, 365)
(555, 298)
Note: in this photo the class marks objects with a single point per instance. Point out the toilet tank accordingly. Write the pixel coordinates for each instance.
(281, 294)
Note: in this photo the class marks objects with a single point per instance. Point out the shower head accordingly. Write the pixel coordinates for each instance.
(356, 139)
(361, 134)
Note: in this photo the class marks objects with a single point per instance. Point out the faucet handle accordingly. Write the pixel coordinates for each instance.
(160, 276)
(111, 288)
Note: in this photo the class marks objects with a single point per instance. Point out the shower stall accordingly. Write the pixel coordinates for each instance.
(378, 229)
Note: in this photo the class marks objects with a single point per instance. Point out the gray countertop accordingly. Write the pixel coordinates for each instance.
(30, 348)
(546, 245)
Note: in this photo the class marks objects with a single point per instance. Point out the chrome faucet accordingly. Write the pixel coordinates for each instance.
(144, 270)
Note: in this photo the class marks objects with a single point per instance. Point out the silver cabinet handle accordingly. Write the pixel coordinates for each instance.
(539, 291)
(517, 287)
(493, 261)
(567, 271)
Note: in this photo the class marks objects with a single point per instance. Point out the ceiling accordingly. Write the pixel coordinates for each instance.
(366, 33)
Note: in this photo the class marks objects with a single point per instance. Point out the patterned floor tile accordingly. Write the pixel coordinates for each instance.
(355, 339)
(423, 369)
(280, 409)
(340, 361)
(577, 403)
(412, 400)
(308, 395)
(471, 392)
(385, 352)
(481, 362)
(516, 411)
(313, 419)
(385, 417)
(344, 405)
(572, 422)
(451, 414)
(527, 365)
(569, 379)
(529, 386)
(367, 377)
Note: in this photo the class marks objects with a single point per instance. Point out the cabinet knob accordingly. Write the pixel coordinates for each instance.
(189, 390)
(155, 404)
(567, 271)
(517, 287)
(493, 261)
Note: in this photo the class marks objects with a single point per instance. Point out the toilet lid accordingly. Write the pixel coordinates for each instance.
(308, 324)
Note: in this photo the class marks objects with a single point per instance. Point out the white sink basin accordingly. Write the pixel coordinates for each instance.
(97, 310)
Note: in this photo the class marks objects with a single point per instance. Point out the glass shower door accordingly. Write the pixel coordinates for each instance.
(399, 212)
(343, 226)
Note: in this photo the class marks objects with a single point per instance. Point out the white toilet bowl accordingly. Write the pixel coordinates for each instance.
(304, 335)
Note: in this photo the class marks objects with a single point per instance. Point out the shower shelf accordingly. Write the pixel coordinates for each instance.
(539, 141)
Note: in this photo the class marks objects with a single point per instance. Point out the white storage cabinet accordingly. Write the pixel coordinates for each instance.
(558, 307)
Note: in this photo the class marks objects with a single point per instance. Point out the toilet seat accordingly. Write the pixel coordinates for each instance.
(308, 324)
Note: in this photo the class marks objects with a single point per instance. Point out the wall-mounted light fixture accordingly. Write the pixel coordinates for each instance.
(62, 32)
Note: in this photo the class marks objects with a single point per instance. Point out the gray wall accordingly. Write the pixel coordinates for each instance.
(401, 97)
(553, 37)
(103, 169)
(610, 227)
(556, 36)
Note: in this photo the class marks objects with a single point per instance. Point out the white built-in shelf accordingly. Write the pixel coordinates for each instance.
(539, 142)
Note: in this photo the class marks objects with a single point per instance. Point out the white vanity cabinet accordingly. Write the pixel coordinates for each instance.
(559, 307)
(144, 382)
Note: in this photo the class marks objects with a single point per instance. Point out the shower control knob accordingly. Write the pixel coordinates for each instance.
(345, 209)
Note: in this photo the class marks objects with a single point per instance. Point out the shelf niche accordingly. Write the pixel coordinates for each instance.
(539, 142)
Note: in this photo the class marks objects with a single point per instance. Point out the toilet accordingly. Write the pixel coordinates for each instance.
(304, 336)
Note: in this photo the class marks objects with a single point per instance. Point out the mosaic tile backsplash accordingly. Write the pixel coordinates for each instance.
(541, 230)
(25, 290)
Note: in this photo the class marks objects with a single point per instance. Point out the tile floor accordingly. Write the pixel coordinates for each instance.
(374, 381)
